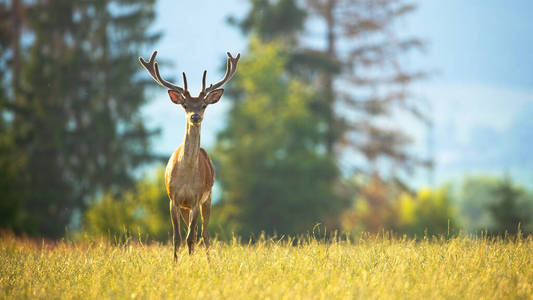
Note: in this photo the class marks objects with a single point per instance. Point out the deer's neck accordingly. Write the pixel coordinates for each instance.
(191, 146)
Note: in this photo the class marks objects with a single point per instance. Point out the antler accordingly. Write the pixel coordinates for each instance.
(231, 67)
(152, 68)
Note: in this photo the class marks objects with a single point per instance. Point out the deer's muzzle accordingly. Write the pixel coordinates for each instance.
(196, 118)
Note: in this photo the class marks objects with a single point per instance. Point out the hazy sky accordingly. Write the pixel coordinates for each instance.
(482, 93)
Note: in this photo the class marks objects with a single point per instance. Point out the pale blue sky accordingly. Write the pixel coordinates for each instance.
(482, 94)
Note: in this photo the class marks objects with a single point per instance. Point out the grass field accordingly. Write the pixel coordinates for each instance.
(370, 268)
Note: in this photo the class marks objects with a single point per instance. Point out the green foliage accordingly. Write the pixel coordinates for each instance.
(12, 181)
(428, 213)
(142, 211)
(483, 204)
(495, 204)
(274, 175)
(512, 210)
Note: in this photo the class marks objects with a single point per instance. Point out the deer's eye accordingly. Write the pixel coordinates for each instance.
(184, 106)
(204, 105)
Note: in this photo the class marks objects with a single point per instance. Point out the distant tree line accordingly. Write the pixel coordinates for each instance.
(311, 135)
(477, 205)
(297, 109)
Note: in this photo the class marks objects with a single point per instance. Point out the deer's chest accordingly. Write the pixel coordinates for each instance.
(183, 185)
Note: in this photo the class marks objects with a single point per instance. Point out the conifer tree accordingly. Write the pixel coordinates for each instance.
(274, 175)
(75, 114)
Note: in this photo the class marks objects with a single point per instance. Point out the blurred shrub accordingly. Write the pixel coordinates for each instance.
(142, 212)
(382, 205)
(484, 203)
(373, 209)
(429, 212)
(513, 209)
(495, 204)
(474, 197)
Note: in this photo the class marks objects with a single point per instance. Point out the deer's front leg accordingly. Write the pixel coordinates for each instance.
(176, 233)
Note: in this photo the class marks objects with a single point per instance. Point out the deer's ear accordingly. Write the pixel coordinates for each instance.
(214, 96)
(176, 97)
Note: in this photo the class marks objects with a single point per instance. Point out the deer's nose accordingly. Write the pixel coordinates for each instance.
(195, 118)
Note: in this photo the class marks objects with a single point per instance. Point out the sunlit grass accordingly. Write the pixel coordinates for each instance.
(380, 268)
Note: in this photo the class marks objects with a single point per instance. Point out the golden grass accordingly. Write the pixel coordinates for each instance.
(370, 268)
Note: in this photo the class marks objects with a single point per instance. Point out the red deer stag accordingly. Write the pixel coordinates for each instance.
(189, 175)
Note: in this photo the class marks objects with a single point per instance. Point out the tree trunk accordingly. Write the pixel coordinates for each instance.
(15, 45)
(329, 93)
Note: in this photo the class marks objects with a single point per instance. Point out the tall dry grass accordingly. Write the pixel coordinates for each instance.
(369, 268)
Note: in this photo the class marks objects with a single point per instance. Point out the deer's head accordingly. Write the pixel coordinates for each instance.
(194, 106)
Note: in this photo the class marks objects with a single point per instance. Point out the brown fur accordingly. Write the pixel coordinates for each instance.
(205, 167)
(189, 178)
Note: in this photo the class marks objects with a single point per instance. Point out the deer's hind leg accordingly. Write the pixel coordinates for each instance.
(206, 212)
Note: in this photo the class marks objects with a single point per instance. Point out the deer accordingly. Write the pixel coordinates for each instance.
(189, 174)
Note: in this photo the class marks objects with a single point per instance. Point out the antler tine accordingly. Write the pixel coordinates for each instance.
(152, 68)
(184, 80)
(166, 83)
(148, 65)
(203, 80)
(231, 67)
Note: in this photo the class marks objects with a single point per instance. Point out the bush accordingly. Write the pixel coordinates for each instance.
(429, 213)
(496, 205)
(142, 212)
